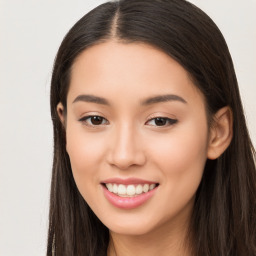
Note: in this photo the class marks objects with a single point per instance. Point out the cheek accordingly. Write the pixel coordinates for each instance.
(185, 151)
(182, 157)
(85, 153)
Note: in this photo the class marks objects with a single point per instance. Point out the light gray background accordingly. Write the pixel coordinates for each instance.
(30, 33)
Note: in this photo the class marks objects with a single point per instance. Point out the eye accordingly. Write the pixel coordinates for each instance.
(93, 120)
(161, 121)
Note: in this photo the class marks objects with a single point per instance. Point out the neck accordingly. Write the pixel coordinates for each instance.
(166, 240)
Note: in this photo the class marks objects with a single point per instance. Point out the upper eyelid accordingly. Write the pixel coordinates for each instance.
(164, 116)
(85, 116)
(174, 120)
(161, 116)
(89, 116)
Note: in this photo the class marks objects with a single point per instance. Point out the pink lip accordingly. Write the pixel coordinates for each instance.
(128, 202)
(127, 181)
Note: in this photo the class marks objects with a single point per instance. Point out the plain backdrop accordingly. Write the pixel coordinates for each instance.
(30, 34)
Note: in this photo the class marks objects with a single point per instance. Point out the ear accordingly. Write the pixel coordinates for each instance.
(221, 133)
(60, 111)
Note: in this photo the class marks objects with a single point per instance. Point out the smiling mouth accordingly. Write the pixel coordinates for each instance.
(131, 190)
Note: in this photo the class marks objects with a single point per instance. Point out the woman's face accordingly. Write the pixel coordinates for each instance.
(136, 124)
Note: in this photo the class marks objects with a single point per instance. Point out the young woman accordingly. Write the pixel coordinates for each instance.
(151, 151)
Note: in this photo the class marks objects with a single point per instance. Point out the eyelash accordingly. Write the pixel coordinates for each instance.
(86, 118)
(170, 121)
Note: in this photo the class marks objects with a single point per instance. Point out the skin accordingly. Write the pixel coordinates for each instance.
(129, 143)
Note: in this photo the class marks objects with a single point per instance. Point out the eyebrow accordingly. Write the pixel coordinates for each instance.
(163, 98)
(148, 101)
(91, 98)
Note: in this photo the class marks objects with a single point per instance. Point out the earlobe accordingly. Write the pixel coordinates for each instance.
(60, 111)
(221, 133)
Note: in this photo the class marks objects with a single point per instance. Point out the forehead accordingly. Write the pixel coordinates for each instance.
(134, 70)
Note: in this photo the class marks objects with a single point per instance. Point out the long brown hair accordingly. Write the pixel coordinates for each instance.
(224, 216)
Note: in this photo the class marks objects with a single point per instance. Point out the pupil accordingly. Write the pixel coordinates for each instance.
(96, 120)
(160, 121)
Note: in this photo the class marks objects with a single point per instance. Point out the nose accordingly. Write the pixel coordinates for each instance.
(126, 148)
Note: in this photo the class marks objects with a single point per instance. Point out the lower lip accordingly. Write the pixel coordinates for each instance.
(128, 202)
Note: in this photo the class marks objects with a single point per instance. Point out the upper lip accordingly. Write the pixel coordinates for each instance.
(127, 181)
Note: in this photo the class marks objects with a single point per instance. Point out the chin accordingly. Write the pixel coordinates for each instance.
(131, 225)
(136, 230)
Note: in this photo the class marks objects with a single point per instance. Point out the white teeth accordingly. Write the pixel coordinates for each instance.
(145, 188)
(151, 186)
(130, 190)
(121, 190)
(115, 188)
(109, 187)
(138, 189)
